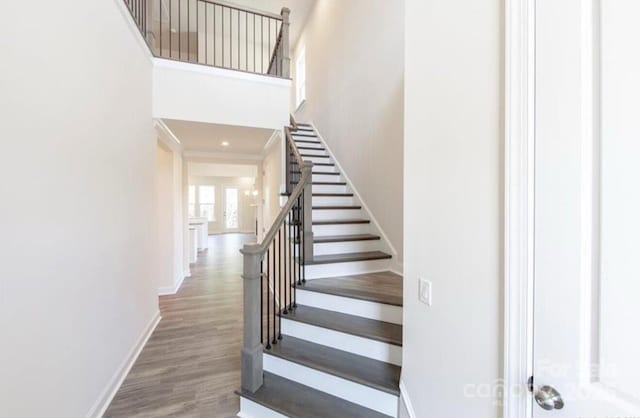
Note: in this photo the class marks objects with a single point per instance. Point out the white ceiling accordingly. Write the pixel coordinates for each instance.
(208, 137)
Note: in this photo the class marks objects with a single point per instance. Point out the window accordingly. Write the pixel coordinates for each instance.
(206, 202)
(192, 201)
(301, 78)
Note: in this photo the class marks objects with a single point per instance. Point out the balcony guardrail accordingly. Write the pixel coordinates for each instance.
(215, 33)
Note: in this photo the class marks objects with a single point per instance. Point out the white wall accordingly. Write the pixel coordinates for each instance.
(164, 204)
(170, 229)
(204, 94)
(355, 71)
(453, 206)
(77, 174)
(272, 182)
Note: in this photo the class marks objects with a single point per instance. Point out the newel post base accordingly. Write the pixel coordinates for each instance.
(251, 345)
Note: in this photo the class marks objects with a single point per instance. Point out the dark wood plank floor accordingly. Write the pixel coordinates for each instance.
(190, 366)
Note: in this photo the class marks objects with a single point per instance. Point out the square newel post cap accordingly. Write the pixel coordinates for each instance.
(284, 12)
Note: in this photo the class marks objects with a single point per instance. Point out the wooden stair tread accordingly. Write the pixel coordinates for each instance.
(341, 221)
(348, 324)
(373, 373)
(382, 287)
(355, 207)
(329, 183)
(306, 141)
(348, 257)
(314, 156)
(312, 148)
(319, 173)
(298, 401)
(332, 194)
(324, 239)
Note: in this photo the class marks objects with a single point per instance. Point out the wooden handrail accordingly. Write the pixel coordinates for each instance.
(243, 8)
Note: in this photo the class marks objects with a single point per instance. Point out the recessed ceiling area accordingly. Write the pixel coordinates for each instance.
(211, 137)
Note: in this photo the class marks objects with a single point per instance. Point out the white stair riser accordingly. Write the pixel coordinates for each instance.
(325, 177)
(371, 398)
(314, 151)
(324, 168)
(332, 200)
(315, 159)
(319, 271)
(346, 247)
(250, 409)
(350, 306)
(366, 347)
(324, 214)
(341, 229)
(326, 188)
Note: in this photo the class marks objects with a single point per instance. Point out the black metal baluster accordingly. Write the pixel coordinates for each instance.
(302, 241)
(254, 43)
(188, 30)
(266, 290)
(284, 310)
(214, 35)
(222, 32)
(292, 261)
(299, 239)
(262, 44)
(246, 41)
(238, 13)
(275, 246)
(280, 287)
(261, 294)
(230, 38)
(206, 33)
(160, 8)
(170, 25)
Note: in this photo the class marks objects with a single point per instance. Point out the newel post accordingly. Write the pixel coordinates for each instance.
(308, 209)
(251, 345)
(286, 59)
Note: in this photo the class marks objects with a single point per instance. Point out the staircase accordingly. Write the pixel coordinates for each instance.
(338, 349)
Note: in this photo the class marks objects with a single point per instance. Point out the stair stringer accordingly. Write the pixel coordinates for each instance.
(395, 264)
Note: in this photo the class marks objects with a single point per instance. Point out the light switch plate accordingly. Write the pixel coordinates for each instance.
(424, 291)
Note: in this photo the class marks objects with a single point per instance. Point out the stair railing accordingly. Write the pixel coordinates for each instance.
(215, 33)
(271, 270)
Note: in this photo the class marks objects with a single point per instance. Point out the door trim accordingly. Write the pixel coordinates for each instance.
(519, 156)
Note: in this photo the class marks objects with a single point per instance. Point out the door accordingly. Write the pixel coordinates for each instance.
(587, 209)
(231, 215)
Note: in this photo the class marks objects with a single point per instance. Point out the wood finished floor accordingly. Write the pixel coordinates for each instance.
(190, 366)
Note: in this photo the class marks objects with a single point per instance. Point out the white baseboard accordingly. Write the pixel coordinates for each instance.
(105, 398)
(404, 398)
(171, 290)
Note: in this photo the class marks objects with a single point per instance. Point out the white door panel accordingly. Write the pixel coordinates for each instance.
(587, 206)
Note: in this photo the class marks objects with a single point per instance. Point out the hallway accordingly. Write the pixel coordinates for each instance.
(190, 366)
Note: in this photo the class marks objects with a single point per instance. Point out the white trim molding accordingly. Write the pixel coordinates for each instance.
(406, 401)
(519, 205)
(171, 290)
(103, 402)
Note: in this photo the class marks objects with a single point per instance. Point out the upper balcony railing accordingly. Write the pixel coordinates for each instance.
(215, 33)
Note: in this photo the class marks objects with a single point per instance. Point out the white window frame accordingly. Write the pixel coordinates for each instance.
(212, 204)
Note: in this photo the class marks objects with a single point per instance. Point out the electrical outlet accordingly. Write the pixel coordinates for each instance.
(424, 291)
